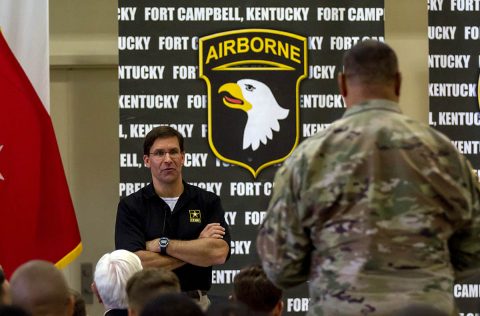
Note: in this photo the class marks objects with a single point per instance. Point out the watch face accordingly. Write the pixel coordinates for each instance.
(163, 242)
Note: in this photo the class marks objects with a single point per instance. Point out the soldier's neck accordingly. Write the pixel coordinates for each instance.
(364, 93)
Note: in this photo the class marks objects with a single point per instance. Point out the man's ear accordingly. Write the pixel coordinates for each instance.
(398, 83)
(182, 154)
(146, 161)
(342, 84)
(71, 305)
(93, 286)
(131, 312)
(278, 309)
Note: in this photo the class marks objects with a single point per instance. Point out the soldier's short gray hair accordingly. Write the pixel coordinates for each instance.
(370, 62)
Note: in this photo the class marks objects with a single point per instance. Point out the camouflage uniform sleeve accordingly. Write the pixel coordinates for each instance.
(283, 244)
(465, 242)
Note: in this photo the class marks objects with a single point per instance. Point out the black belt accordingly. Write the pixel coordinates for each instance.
(195, 293)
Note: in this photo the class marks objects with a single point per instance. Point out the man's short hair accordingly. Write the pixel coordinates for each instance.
(252, 288)
(149, 283)
(161, 132)
(12, 310)
(40, 288)
(231, 308)
(177, 304)
(2, 275)
(2, 280)
(111, 275)
(370, 62)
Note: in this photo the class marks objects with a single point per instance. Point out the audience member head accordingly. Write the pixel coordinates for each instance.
(230, 308)
(41, 289)
(161, 132)
(111, 275)
(370, 71)
(147, 284)
(252, 288)
(79, 308)
(12, 310)
(4, 289)
(172, 304)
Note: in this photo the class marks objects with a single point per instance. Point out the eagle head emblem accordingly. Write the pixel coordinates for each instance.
(263, 111)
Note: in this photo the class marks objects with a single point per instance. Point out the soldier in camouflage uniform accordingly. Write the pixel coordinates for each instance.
(378, 211)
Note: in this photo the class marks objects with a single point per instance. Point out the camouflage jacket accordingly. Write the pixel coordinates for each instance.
(377, 211)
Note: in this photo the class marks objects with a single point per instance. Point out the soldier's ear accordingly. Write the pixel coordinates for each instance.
(342, 84)
(398, 83)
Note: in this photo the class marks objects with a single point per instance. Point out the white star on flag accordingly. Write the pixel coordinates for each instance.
(1, 177)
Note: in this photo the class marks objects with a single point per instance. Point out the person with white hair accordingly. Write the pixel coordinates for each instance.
(110, 279)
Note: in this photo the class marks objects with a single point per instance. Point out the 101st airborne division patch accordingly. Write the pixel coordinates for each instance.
(253, 78)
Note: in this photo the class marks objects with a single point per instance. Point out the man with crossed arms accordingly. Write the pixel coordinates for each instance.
(172, 224)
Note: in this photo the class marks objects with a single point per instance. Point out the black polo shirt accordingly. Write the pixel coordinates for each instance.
(143, 216)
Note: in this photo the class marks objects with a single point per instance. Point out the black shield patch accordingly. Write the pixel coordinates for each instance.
(253, 78)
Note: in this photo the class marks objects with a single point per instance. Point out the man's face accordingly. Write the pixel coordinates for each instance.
(165, 160)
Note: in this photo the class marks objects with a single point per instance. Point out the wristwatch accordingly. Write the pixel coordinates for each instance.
(163, 244)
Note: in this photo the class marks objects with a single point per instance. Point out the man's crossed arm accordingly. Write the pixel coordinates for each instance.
(209, 249)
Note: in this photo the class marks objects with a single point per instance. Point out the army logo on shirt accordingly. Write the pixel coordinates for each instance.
(195, 216)
(253, 78)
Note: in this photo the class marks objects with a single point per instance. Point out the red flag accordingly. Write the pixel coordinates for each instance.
(36, 212)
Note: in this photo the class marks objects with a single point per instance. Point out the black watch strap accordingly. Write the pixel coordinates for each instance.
(163, 244)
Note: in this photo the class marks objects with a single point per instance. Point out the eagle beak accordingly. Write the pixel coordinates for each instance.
(233, 97)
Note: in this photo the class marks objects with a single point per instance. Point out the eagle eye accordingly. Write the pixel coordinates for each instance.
(249, 87)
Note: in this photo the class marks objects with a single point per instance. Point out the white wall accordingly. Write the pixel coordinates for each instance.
(406, 24)
(84, 110)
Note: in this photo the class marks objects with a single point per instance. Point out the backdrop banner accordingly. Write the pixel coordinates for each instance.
(245, 82)
(454, 61)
